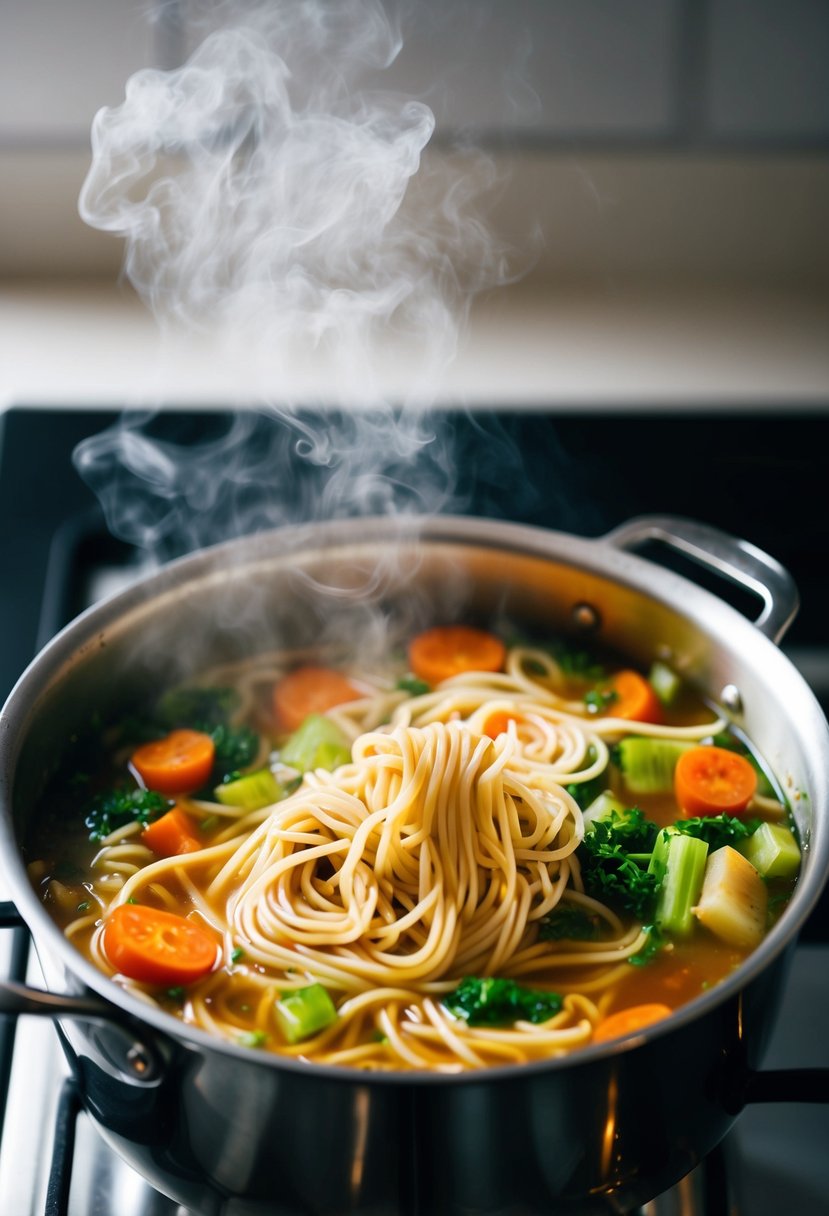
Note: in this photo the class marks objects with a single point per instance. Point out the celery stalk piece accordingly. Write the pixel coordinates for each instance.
(648, 764)
(317, 743)
(603, 807)
(665, 682)
(252, 791)
(734, 899)
(659, 857)
(773, 851)
(304, 1012)
(681, 886)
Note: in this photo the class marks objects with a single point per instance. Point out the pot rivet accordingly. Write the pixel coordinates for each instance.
(732, 699)
(137, 1060)
(586, 617)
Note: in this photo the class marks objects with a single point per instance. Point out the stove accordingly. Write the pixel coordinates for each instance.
(762, 476)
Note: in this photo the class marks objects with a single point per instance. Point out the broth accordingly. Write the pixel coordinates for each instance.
(474, 856)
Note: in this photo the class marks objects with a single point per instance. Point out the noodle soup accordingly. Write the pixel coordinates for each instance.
(488, 852)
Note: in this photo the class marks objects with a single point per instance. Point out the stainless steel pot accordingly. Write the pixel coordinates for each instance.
(229, 1131)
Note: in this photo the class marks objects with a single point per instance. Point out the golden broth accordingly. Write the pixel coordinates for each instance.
(481, 854)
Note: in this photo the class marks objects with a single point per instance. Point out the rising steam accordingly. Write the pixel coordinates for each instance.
(270, 191)
(267, 188)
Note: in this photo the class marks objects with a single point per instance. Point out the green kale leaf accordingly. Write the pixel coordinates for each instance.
(116, 808)
(567, 923)
(614, 856)
(236, 748)
(718, 830)
(496, 1002)
(196, 708)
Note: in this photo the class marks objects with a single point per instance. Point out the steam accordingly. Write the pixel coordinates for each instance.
(170, 494)
(267, 190)
(275, 197)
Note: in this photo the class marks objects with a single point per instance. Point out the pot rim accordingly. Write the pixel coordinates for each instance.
(598, 556)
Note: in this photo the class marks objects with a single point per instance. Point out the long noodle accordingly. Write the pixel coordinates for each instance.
(434, 854)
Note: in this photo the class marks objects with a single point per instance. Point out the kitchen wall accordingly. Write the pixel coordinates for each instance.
(676, 148)
(645, 136)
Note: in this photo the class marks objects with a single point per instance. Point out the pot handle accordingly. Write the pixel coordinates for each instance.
(138, 1058)
(736, 560)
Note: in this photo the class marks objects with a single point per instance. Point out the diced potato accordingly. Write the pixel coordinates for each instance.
(65, 897)
(37, 871)
(734, 900)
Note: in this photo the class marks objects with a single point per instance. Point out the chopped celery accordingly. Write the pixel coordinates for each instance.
(304, 1012)
(665, 682)
(773, 851)
(252, 791)
(734, 899)
(648, 764)
(603, 807)
(684, 870)
(317, 743)
(659, 855)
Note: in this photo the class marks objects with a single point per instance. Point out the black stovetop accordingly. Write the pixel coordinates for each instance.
(762, 477)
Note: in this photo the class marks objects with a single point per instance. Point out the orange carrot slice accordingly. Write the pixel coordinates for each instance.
(179, 763)
(171, 835)
(626, 1021)
(156, 947)
(309, 690)
(633, 699)
(449, 650)
(713, 781)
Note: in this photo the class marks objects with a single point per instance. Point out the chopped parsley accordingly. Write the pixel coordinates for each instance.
(578, 663)
(598, 700)
(655, 942)
(718, 830)
(413, 686)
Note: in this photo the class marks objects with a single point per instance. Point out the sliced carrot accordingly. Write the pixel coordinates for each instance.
(713, 781)
(449, 650)
(179, 763)
(633, 698)
(498, 723)
(156, 947)
(309, 690)
(626, 1021)
(171, 835)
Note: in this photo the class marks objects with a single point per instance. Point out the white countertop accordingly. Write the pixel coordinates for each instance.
(531, 346)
